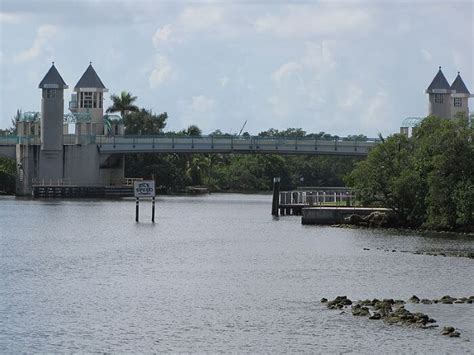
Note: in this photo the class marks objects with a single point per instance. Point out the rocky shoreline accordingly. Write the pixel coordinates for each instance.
(393, 311)
(389, 220)
(469, 255)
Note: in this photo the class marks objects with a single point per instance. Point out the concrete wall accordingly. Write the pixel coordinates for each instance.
(77, 164)
(464, 105)
(442, 110)
(27, 163)
(52, 115)
(84, 165)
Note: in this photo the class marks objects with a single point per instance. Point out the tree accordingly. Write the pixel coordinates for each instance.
(145, 122)
(123, 103)
(7, 175)
(427, 179)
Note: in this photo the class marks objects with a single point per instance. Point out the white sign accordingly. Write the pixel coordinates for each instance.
(145, 188)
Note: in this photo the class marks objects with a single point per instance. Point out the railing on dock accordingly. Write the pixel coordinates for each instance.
(292, 202)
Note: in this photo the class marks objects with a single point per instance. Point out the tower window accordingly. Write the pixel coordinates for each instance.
(86, 99)
(439, 98)
(94, 102)
(100, 100)
(50, 93)
(457, 102)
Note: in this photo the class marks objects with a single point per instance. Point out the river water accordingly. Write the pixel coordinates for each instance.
(214, 274)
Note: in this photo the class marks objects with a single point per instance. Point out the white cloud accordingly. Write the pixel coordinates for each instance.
(224, 80)
(162, 35)
(283, 73)
(376, 110)
(163, 71)
(351, 97)
(426, 54)
(8, 18)
(202, 104)
(41, 44)
(201, 17)
(308, 21)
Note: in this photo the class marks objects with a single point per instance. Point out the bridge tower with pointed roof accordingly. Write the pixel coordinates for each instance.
(459, 97)
(88, 98)
(439, 93)
(52, 115)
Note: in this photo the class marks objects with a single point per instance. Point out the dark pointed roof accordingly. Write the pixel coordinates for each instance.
(90, 79)
(439, 82)
(459, 86)
(52, 80)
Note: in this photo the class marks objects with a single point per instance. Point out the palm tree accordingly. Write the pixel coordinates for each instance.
(123, 103)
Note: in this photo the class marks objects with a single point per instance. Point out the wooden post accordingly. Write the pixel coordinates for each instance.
(276, 196)
(136, 210)
(153, 209)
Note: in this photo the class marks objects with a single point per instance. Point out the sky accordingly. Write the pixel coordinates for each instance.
(342, 67)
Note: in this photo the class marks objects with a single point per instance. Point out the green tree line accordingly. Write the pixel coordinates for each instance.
(427, 179)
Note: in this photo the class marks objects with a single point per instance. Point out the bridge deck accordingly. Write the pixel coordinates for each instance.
(232, 145)
(209, 144)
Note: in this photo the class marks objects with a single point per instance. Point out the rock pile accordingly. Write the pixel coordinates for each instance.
(393, 312)
(375, 219)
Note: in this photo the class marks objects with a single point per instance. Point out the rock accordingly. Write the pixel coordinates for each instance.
(447, 330)
(358, 310)
(459, 301)
(366, 249)
(375, 316)
(324, 300)
(414, 299)
(354, 219)
(426, 301)
(454, 335)
(399, 302)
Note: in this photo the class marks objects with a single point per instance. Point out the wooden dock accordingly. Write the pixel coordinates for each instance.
(293, 202)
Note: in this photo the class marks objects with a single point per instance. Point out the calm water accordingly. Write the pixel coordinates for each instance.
(215, 274)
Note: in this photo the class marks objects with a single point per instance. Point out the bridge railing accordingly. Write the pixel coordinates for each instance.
(234, 143)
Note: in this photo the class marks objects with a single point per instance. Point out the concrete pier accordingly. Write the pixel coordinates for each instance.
(334, 215)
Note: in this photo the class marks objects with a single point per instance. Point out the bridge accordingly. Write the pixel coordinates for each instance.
(204, 144)
(92, 158)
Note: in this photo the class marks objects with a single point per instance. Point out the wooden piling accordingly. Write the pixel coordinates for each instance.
(153, 209)
(276, 196)
(136, 210)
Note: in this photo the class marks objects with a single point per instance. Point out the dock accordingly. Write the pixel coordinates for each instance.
(293, 202)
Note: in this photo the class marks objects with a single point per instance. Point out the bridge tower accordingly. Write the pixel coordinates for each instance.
(459, 97)
(52, 116)
(439, 93)
(88, 98)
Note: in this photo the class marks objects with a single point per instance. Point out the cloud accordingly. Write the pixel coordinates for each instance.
(223, 81)
(163, 70)
(351, 97)
(282, 74)
(202, 104)
(376, 109)
(201, 17)
(316, 20)
(162, 35)
(426, 54)
(41, 44)
(10, 18)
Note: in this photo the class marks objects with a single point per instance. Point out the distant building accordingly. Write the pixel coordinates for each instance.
(446, 100)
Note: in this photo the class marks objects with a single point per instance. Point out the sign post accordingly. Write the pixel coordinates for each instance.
(144, 188)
